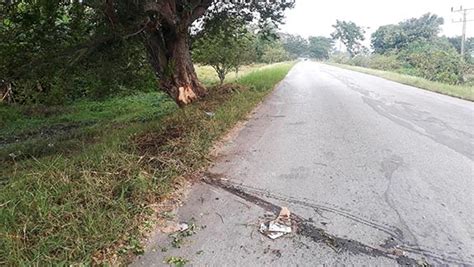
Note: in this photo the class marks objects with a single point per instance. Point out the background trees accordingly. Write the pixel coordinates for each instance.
(414, 47)
(395, 37)
(350, 35)
(320, 47)
(274, 53)
(456, 43)
(295, 45)
(225, 45)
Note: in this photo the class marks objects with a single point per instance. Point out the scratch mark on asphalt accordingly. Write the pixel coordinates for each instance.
(305, 228)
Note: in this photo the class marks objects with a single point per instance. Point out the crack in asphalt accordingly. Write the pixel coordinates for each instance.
(389, 166)
(305, 228)
(424, 123)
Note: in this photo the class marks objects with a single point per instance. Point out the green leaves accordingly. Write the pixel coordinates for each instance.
(320, 47)
(350, 35)
(396, 37)
(225, 44)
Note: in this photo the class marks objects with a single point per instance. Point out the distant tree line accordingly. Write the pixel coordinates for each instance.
(413, 47)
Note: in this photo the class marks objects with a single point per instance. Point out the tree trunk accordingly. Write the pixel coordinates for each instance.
(170, 57)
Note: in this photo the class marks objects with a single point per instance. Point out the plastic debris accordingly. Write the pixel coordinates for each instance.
(279, 227)
(183, 227)
(210, 114)
(175, 228)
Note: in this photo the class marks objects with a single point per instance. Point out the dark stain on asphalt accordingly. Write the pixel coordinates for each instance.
(416, 120)
(424, 124)
(307, 229)
(390, 248)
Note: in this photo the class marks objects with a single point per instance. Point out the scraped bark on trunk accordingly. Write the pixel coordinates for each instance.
(167, 45)
(169, 55)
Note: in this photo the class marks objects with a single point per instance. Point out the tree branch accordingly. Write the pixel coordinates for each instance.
(166, 9)
(200, 9)
(110, 13)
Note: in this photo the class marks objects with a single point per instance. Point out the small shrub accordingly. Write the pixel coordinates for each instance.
(341, 59)
(435, 62)
(384, 62)
(361, 61)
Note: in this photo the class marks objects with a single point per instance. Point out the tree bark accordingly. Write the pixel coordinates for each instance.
(169, 54)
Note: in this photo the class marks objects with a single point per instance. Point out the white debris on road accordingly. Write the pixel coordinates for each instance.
(279, 227)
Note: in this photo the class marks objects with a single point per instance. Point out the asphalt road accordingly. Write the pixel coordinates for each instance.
(376, 173)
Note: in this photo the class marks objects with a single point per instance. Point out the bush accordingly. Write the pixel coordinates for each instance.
(435, 61)
(275, 53)
(341, 58)
(384, 62)
(361, 61)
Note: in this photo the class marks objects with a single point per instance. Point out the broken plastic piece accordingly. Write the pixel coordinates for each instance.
(183, 227)
(279, 227)
(210, 114)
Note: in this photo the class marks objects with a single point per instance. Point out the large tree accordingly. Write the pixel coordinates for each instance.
(295, 45)
(166, 26)
(84, 31)
(320, 47)
(396, 37)
(350, 34)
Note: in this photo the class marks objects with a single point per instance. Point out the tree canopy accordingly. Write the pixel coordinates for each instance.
(320, 47)
(396, 37)
(295, 45)
(350, 34)
(61, 42)
(224, 46)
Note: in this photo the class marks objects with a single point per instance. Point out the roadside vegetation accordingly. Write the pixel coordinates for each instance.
(96, 119)
(463, 91)
(78, 181)
(104, 105)
(411, 52)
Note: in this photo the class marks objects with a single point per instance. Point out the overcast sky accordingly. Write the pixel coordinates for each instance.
(313, 17)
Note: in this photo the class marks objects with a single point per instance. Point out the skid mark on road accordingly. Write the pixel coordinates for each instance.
(306, 228)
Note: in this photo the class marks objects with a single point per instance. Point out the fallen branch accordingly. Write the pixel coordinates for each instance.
(8, 95)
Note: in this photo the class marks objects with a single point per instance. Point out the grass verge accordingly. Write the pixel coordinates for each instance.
(460, 91)
(88, 204)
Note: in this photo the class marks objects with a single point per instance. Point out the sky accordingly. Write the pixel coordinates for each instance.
(313, 17)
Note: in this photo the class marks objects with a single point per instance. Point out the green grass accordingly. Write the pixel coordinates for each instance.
(209, 76)
(86, 197)
(461, 91)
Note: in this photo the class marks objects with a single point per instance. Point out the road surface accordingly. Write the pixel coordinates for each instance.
(376, 173)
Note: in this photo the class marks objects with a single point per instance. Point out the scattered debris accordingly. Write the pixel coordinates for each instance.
(183, 227)
(398, 252)
(279, 227)
(220, 216)
(185, 230)
(210, 114)
(275, 252)
(422, 262)
(176, 261)
(169, 229)
(175, 228)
